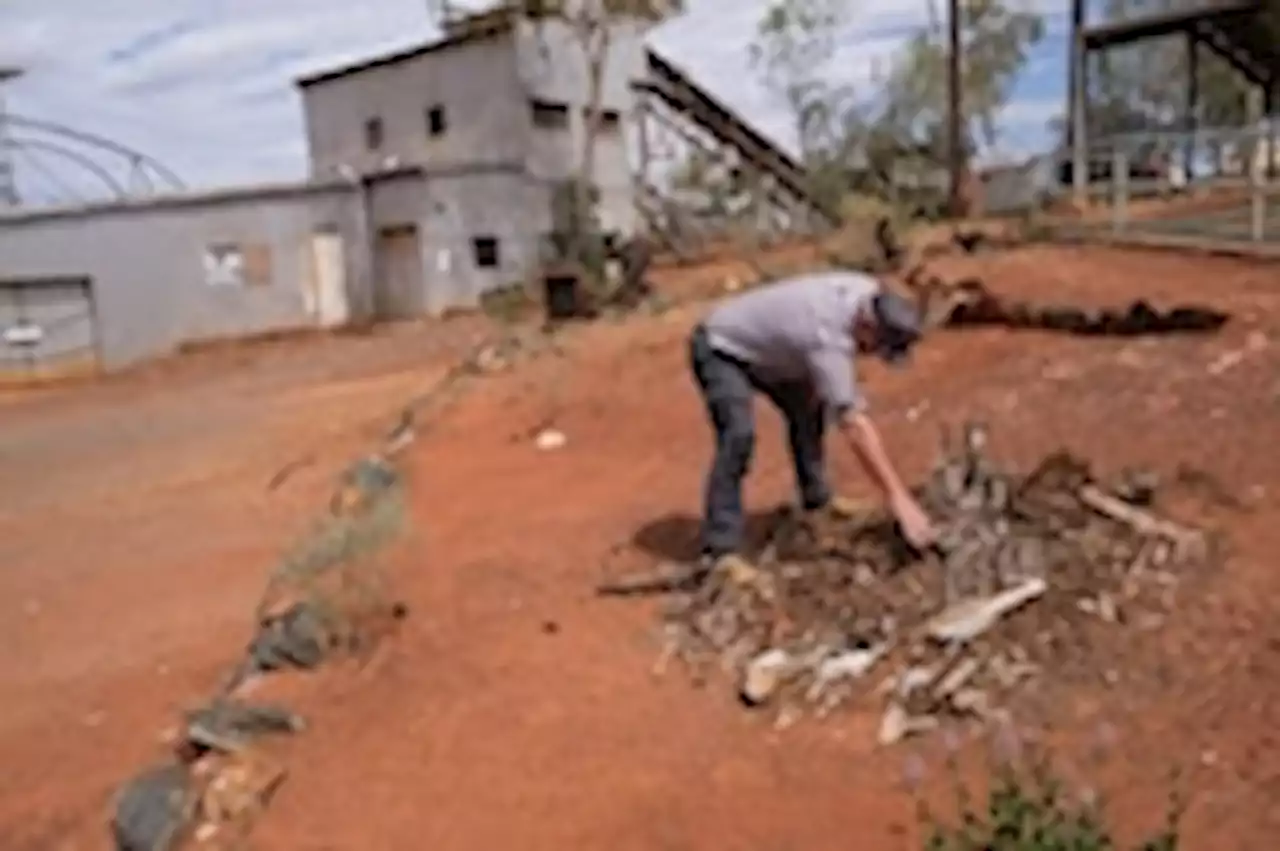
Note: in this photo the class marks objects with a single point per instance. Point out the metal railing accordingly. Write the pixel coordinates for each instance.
(1219, 186)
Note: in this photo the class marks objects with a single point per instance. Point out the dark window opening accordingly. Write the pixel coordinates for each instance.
(549, 115)
(485, 249)
(437, 124)
(560, 297)
(610, 120)
(373, 134)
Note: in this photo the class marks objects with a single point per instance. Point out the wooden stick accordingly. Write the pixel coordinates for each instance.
(1136, 518)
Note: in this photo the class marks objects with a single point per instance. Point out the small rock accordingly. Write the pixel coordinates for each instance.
(31, 608)
(763, 675)
(95, 718)
(490, 360)
(894, 725)
(787, 717)
(972, 701)
(1226, 361)
(957, 677)
(849, 665)
(1107, 609)
(550, 439)
(1150, 621)
(206, 832)
(897, 724)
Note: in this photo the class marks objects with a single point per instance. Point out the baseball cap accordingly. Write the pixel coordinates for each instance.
(898, 327)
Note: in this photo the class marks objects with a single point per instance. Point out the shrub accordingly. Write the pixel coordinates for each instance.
(1029, 807)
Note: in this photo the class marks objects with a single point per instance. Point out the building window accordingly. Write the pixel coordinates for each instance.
(485, 250)
(373, 134)
(235, 265)
(436, 121)
(551, 116)
(610, 120)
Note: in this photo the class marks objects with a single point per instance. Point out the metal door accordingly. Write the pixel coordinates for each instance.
(48, 329)
(398, 288)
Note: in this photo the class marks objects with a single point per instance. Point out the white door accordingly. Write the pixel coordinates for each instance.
(328, 260)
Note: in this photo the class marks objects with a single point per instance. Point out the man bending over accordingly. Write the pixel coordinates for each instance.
(794, 341)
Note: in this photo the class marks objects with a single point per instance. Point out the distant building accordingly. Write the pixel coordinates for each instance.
(434, 175)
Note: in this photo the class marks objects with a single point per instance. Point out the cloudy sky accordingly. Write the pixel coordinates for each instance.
(206, 85)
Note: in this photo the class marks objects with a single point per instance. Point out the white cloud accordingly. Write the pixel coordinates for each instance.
(206, 85)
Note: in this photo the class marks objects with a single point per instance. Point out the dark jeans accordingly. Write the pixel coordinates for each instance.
(728, 388)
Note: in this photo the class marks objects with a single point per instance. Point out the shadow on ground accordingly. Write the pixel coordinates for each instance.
(674, 537)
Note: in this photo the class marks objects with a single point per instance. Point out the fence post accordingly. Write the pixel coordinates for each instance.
(1257, 202)
(1119, 190)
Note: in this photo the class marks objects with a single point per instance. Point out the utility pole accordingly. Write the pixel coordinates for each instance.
(1077, 108)
(955, 111)
(8, 178)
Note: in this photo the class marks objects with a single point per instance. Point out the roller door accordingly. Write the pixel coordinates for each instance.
(48, 330)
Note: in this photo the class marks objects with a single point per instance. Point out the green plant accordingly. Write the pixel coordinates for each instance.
(1028, 807)
(507, 304)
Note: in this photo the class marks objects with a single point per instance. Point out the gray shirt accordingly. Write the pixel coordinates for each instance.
(798, 329)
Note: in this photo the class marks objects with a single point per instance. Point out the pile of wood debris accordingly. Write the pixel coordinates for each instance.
(969, 303)
(1027, 568)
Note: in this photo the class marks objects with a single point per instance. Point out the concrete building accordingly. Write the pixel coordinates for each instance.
(492, 118)
(434, 178)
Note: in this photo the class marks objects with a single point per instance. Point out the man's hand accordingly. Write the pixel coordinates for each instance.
(865, 441)
(916, 526)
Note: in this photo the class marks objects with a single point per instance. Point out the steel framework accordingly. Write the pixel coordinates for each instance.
(1246, 33)
(45, 161)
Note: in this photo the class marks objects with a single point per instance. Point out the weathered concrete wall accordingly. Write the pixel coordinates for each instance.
(487, 87)
(552, 68)
(452, 208)
(504, 205)
(146, 261)
(476, 82)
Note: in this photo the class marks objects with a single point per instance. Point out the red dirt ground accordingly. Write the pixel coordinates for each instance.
(514, 709)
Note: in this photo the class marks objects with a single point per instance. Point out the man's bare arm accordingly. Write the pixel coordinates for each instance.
(865, 441)
(864, 438)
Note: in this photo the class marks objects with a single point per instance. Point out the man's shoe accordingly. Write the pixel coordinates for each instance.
(842, 508)
(736, 570)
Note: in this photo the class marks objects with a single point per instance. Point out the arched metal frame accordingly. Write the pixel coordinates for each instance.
(121, 171)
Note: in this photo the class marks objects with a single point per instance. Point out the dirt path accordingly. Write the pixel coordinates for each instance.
(518, 710)
(515, 710)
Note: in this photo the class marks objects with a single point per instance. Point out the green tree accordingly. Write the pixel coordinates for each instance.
(1146, 83)
(704, 181)
(795, 43)
(996, 40)
(593, 25)
(897, 133)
